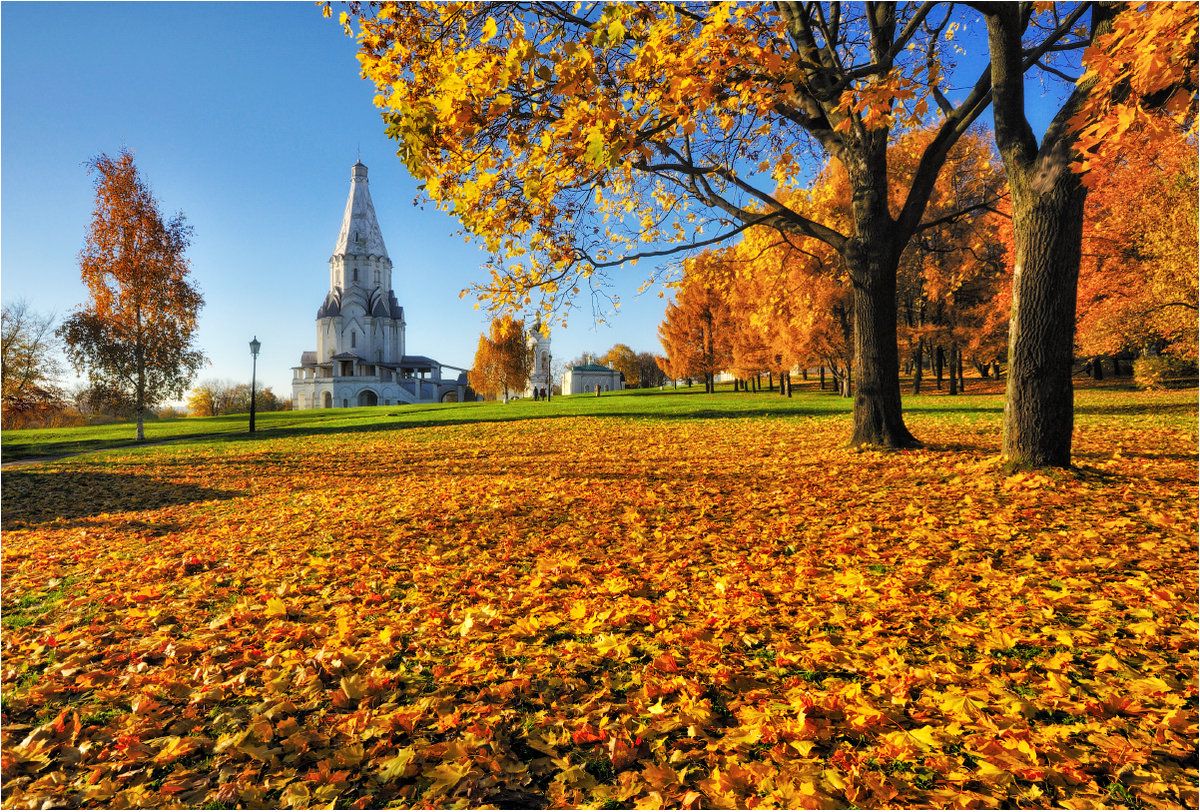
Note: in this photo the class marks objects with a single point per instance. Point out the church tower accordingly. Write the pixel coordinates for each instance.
(360, 315)
(360, 357)
(539, 373)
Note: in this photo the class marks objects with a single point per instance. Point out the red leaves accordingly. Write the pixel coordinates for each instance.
(587, 735)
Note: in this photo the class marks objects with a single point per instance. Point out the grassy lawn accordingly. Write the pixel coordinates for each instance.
(643, 599)
(807, 401)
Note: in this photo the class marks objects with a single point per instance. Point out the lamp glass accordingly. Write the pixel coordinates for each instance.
(255, 344)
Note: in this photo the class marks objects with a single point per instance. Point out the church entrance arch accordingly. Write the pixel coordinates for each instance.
(327, 402)
(450, 397)
(368, 398)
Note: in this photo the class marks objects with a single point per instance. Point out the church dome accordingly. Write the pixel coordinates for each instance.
(378, 305)
(332, 306)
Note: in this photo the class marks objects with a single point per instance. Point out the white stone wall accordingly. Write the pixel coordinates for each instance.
(582, 383)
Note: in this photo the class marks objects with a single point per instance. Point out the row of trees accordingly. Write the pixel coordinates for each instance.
(642, 370)
(217, 397)
(503, 362)
(770, 304)
(572, 138)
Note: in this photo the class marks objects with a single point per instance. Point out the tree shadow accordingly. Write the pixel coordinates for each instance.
(32, 498)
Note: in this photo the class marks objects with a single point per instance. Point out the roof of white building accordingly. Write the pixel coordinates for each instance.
(360, 232)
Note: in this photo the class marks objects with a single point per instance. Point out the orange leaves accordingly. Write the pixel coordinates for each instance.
(1147, 60)
(740, 613)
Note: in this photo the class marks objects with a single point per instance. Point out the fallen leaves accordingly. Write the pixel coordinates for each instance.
(738, 612)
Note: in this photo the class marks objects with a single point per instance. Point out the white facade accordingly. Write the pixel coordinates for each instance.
(584, 379)
(539, 376)
(360, 358)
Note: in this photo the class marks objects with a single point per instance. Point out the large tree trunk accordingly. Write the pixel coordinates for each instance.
(1039, 405)
(878, 419)
(1047, 212)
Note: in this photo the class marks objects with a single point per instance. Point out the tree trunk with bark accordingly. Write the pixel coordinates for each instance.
(953, 370)
(1047, 217)
(872, 262)
(1039, 408)
(939, 363)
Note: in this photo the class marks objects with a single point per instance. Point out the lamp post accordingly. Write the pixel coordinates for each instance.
(255, 345)
(549, 383)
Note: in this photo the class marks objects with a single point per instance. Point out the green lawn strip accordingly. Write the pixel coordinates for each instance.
(1169, 409)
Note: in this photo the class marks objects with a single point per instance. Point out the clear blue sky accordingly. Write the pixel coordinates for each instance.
(246, 117)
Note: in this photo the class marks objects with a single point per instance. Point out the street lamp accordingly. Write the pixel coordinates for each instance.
(255, 346)
(549, 383)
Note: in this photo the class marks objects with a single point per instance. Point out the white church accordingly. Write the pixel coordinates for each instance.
(360, 358)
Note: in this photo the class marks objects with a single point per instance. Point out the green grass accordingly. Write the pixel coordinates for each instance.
(807, 401)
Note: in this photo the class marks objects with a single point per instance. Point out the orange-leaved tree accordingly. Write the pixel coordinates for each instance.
(952, 271)
(134, 335)
(570, 138)
(502, 360)
(1138, 280)
(623, 359)
(697, 331)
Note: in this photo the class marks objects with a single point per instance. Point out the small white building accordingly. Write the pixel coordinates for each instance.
(360, 358)
(584, 379)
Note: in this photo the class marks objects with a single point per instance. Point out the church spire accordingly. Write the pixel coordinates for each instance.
(360, 232)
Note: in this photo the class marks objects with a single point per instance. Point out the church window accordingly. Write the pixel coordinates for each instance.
(376, 276)
(356, 274)
(353, 339)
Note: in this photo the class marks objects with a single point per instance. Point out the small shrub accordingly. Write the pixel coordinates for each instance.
(1163, 372)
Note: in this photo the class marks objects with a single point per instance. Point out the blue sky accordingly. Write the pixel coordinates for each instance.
(246, 117)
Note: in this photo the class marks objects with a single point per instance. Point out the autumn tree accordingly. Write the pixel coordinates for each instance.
(502, 360)
(570, 138)
(697, 330)
(952, 273)
(624, 360)
(649, 372)
(1048, 195)
(29, 365)
(134, 336)
(1138, 278)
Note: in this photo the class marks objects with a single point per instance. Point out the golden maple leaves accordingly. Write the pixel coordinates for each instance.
(740, 613)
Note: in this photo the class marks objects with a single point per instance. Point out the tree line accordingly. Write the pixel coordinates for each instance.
(571, 139)
(768, 304)
(503, 362)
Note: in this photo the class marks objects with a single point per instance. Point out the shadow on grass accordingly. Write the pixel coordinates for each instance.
(32, 498)
(438, 422)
